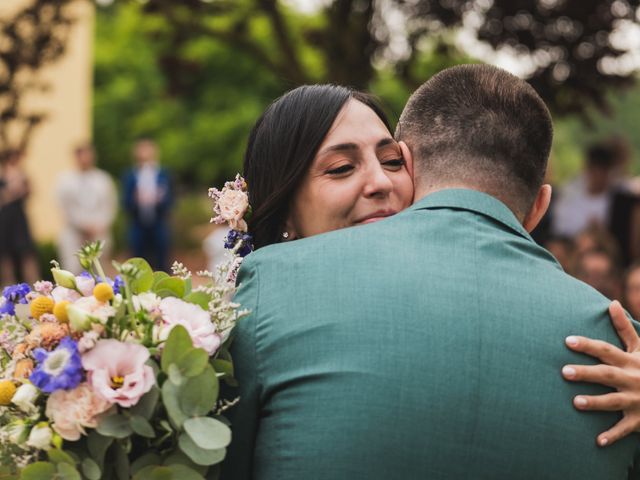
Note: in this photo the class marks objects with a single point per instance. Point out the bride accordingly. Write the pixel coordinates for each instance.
(323, 157)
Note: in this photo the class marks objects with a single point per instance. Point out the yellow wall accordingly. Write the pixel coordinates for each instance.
(68, 122)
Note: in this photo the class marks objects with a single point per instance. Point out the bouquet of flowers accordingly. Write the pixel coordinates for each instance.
(103, 378)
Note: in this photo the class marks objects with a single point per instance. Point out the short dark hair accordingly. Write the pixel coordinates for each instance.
(282, 146)
(483, 126)
(604, 155)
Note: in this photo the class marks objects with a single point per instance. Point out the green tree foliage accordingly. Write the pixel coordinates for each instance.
(201, 126)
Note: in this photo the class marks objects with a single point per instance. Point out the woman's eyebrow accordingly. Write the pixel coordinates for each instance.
(340, 147)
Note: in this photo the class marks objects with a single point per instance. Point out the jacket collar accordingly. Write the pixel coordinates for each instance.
(474, 201)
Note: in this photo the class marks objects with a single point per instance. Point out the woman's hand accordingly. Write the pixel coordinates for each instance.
(621, 370)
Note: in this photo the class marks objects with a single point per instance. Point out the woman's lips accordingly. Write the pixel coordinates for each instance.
(376, 216)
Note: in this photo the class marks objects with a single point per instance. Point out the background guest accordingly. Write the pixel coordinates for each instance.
(599, 269)
(88, 199)
(632, 290)
(148, 199)
(18, 254)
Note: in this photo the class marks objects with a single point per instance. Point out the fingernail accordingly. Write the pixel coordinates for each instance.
(580, 402)
(569, 372)
(573, 341)
(603, 441)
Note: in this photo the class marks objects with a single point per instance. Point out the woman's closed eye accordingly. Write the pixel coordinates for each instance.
(393, 164)
(341, 170)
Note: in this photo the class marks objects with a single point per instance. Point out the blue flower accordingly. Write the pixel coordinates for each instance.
(118, 285)
(59, 369)
(14, 294)
(232, 239)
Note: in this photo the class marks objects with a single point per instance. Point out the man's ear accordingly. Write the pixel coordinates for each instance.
(408, 157)
(539, 208)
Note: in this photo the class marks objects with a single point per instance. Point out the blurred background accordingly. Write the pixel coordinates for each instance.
(90, 90)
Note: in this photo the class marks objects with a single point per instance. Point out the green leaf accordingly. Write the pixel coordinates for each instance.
(144, 282)
(141, 426)
(38, 471)
(178, 457)
(148, 459)
(58, 456)
(147, 404)
(199, 394)
(208, 433)
(170, 399)
(67, 472)
(225, 367)
(199, 455)
(175, 347)
(98, 446)
(175, 375)
(157, 276)
(154, 472)
(193, 362)
(182, 472)
(199, 298)
(114, 426)
(170, 287)
(121, 462)
(188, 285)
(90, 469)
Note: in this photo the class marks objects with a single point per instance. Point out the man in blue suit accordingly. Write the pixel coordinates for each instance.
(428, 345)
(147, 200)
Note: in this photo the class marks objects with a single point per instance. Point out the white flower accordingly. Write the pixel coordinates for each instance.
(146, 301)
(61, 293)
(192, 317)
(85, 285)
(40, 437)
(96, 309)
(25, 398)
(17, 433)
(232, 205)
(88, 341)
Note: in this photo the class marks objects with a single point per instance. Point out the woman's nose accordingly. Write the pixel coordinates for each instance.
(377, 181)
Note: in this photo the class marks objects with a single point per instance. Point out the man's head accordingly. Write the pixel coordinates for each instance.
(145, 151)
(85, 157)
(479, 127)
(601, 163)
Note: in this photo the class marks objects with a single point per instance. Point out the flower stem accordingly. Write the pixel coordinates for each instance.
(96, 263)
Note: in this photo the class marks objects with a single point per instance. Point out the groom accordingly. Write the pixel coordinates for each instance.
(429, 345)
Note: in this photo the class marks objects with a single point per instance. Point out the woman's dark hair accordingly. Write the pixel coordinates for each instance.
(282, 146)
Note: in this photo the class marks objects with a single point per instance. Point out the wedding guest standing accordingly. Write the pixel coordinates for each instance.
(632, 290)
(88, 199)
(148, 199)
(18, 261)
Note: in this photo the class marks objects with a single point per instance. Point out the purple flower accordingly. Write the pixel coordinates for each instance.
(60, 369)
(234, 236)
(14, 294)
(117, 284)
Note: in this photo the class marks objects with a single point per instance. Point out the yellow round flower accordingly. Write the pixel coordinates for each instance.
(60, 311)
(7, 391)
(103, 292)
(41, 305)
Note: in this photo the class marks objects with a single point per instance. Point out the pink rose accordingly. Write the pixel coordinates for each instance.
(73, 410)
(232, 205)
(117, 371)
(192, 317)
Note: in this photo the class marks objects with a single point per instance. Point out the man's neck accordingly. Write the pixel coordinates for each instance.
(422, 191)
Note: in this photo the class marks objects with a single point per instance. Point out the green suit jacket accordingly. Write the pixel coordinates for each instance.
(425, 346)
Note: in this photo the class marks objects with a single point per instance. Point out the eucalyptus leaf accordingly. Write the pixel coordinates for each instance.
(39, 471)
(178, 457)
(177, 344)
(59, 456)
(67, 472)
(141, 426)
(171, 401)
(199, 455)
(121, 462)
(182, 472)
(170, 287)
(144, 282)
(90, 469)
(146, 460)
(98, 446)
(147, 404)
(208, 433)
(193, 362)
(199, 298)
(153, 472)
(114, 426)
(157, 277)
(175, 375)
(224, 369)
(199, 395)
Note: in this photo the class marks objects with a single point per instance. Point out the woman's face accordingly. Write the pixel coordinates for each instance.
(358, 176)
